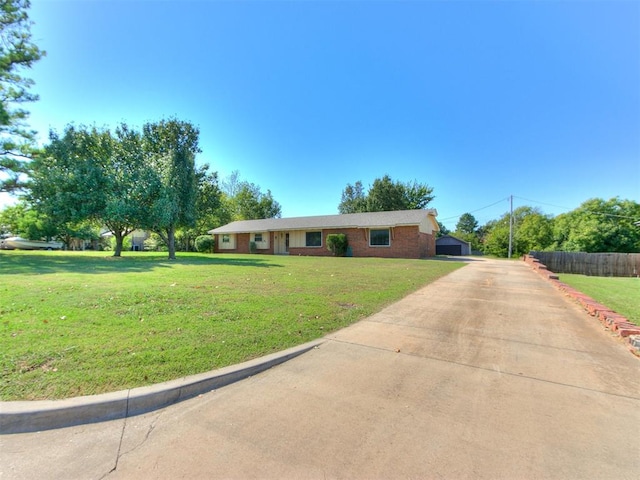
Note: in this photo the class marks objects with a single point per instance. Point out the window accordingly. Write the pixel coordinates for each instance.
(257, 237)
(379, 238)
(314, 239)
(226, 239)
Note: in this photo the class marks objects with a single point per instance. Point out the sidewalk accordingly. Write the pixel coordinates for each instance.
(487, 373)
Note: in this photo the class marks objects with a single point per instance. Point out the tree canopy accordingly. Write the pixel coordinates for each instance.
(17, 52)
(22, 220)
(171, 147)
(599, 225)
(125, 180)
(496, 238)
(67, 182)
(210, 211)
(246, 201)
(88, 174)
(467, 230)
(596, 226)
(129, 179)
(354, 200)
(385, 195)
(467, 223)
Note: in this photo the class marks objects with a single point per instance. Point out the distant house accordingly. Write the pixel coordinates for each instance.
(450, 245)
(137, 238)
(398, 234)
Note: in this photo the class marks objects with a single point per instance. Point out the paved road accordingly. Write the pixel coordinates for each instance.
(487, 373)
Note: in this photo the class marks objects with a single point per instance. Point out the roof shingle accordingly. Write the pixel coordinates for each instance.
(349, 220)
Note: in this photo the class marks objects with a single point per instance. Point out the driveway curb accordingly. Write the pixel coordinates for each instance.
(611, 320)
(22, 417)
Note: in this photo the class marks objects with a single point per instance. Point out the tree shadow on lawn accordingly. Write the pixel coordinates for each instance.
(61, 262)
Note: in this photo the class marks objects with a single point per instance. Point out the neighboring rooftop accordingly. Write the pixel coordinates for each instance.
(348, 220)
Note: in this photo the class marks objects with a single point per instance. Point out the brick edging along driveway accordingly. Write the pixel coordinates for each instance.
(610, 320)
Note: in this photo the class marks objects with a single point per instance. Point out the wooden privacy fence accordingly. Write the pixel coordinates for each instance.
(595, 264)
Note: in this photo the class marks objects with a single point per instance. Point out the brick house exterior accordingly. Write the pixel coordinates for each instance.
(398, 234)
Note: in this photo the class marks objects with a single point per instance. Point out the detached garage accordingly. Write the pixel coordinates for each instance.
(449, 245)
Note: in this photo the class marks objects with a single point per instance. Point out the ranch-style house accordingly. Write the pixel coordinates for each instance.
(397, 234)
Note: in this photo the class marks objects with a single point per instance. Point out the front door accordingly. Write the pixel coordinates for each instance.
(281, 243)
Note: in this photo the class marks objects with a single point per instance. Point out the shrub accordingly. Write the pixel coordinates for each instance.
(126, 243)
(253, 247)
(205, 243)
(155, 244)
(337, 243)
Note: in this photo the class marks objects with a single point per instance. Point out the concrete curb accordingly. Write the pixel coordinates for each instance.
(611, 320)
(22, 417)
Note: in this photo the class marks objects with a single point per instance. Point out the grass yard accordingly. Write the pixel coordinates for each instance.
(81, 323)
(619, 294)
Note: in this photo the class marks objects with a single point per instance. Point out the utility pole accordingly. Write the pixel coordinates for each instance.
(511, 225)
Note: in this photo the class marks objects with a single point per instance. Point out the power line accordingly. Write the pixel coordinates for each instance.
(542, 203)
(477, 210)
(570, 209)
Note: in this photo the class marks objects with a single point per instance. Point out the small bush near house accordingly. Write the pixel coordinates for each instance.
(253, 247)
(205, 243)
(155, 244)
(337, 243)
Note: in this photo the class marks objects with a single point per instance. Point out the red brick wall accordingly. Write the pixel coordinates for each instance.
(406, 242)
(322, 251)
(242, 244)
(427, 245)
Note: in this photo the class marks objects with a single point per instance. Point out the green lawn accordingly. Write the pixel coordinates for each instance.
(619, 294)
(79, 323)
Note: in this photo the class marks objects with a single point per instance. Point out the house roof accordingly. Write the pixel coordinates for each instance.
(444, 237)
(348, 220)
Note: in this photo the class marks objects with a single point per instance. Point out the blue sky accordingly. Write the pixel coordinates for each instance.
(479, 100)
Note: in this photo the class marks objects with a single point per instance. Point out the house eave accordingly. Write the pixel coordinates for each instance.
(326, 222)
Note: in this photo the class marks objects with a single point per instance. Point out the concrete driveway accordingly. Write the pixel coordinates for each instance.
(487, 373)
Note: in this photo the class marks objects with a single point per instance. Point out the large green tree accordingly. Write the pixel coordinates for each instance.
(467, 223)
(92, 175)
(496, 238)
(17, 52)
(385, 194)
(231, 184)
(251, 204)
(24, 221)
(531, 231)
(467, 230)
(171, 147)
(67, 181)
(354, 200)
(416, 195)
(211, 211)
(599, 225)
(244, 200)
(534, 232)
(128, 196)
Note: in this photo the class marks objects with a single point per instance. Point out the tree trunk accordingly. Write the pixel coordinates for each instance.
(171, 242)
(119, 242)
